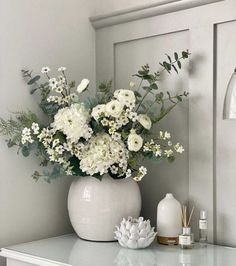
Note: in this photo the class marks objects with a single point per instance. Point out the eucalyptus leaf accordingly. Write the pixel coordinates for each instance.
(33, 80)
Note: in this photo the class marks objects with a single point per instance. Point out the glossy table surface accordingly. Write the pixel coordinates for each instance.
(70, 250)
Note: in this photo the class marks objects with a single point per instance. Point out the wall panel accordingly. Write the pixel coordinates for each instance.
(128, 57)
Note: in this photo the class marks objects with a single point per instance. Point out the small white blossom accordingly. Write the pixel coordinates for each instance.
(141, 173)
(164, 135)
(133, 116)
(105, 122)
(53, 83)
(45, 69)
(59, 149)
(59, 89)
(116, 136)
(114, 169)
(179, 148)
(61, 69)
(55, 142)
(168, 153)
(35, 128)
(128, 173)
(131, 105)
(98, 111)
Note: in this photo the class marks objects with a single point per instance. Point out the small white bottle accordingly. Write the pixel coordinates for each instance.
(185, 239)
(203, 228)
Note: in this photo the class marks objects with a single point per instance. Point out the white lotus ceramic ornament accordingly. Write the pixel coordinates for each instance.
(135, 233)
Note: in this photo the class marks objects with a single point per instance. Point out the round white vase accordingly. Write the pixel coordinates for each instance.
(169, 222)
(96, 207)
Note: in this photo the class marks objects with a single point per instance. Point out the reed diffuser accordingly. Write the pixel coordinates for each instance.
(186, 239)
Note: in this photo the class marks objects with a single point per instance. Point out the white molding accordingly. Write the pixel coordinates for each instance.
(15, 255)
(144, 11)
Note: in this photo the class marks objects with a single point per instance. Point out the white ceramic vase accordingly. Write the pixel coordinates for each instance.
(169, 222)
(96, 207)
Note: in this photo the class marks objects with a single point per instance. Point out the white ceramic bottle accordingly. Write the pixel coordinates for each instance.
(169, 222)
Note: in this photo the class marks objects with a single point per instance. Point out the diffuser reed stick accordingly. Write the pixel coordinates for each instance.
(185, 219)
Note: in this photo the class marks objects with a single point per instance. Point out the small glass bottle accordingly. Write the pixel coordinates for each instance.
(186, 238)
(203, 228)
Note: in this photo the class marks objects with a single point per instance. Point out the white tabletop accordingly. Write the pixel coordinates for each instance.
(69, 250)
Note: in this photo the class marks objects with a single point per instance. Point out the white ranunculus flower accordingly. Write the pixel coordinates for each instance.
(124, 96)
(145, 121)
(83, 85)
(73, 122)
(98, 110)
(114, 108)
(135, 142)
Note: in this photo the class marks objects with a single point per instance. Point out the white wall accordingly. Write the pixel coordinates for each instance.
(34, 34)
(109, 6)
(210, 35)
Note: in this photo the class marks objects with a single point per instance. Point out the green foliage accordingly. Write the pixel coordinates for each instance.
(56, 172)
(104, 91)
(175, 63)
(50, 109)
(13, 127)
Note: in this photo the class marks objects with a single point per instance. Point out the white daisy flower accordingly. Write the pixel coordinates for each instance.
(59, 149)
(45, 70)
(133, 116)
(59, 89)
(53, 83)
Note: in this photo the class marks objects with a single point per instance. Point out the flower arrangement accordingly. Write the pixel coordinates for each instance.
(108, 134)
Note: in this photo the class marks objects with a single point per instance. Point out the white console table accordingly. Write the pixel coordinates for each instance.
(69, 250)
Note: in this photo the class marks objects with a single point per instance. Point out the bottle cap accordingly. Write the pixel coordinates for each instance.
(203, 214)
(186, 230)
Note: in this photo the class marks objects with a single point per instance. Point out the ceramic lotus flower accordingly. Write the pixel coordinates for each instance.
(135, 233)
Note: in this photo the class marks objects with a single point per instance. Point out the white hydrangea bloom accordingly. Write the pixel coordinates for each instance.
(135, 142)
(73, 122)
(114, 108)
(101, 153)
(145, 121)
